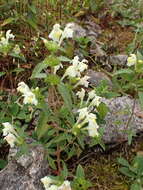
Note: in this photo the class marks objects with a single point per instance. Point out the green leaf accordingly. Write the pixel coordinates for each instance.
(80, 172)
(139, 56)
(140, 94)
(52, 79)
(139, 67)
(136, 186)
(123, 71)
(14, 109)
(51, 162)
(64, 172)
(123, 162)
(32, 23)
(38, 68)
(8, 21)
(42, 126)
(127, 172)
(52, 61)
(50, 45)
(65, 93)
(64, 59)
(2, 73)
(102, 110)
(3, 163)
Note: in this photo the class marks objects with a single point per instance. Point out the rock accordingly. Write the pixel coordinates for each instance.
(118, 60)
(91, 30)
(78, 31)
(24, 172)
(116, 127)
(97, 77)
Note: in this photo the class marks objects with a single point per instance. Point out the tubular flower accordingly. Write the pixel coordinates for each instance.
(83, 81)
(81, 94)
(132, 60)
(96, 101)
(58, 35)
(57, 67)
(92, 128)
(47, 181)
(9, 133)
(82, 113)
(76, 68)
(11, 139)
(29, 96)
(50, 184)
(65, 186)
(23, 88)
(85, 117)
(8, 128)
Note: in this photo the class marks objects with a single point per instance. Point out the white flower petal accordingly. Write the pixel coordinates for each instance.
(11, 139)
(132, 60)
(56, 33)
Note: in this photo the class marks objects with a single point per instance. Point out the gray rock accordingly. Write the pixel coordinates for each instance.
(97, 77)
(118, 60)
(78, 31)
(116, 127)
(24, 172)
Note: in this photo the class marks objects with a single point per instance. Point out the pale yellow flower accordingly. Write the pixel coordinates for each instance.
(23, 88)
(83, 81)
(65, 186)
(56, 33)
(81, 94)
(132, 60)
(30, 98)
(8, 128)
(11, 139)
(47, 181)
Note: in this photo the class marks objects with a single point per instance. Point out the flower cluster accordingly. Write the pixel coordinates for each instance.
(50, 184)
(85, 114)
(132, 60)
(9, 134)
(76, 69)
(29, 96)
(58, 35)
(5, 40)
(5, 45)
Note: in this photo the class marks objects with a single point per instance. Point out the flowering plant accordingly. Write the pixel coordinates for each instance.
(67, 108)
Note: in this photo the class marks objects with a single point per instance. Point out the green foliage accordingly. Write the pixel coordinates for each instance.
(134, 171)
(79, 182)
